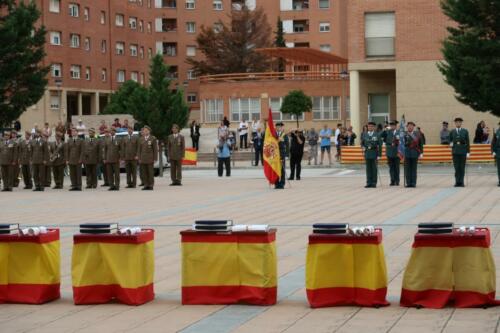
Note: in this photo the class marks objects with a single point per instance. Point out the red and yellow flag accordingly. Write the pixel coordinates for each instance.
(190, 156)
(272, 160)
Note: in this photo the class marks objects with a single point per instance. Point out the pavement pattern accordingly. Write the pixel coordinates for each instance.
(323, 195)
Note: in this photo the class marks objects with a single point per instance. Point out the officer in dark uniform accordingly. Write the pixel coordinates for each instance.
(495, 150)
(283, 146)
(414, 149)
(371, 143)
(460, 150)
(391, 139)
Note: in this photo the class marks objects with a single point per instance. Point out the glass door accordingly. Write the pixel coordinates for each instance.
(378, 108)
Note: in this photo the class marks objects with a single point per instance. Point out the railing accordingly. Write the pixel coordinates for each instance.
(274, 76)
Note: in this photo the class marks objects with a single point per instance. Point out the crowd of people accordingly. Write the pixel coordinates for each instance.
(42, 161)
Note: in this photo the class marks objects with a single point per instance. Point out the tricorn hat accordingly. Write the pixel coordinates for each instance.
(372, 123)
(458, 119)
(279, 123)
(411, 123)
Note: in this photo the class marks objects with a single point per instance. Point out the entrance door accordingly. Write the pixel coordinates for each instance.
(378, 108)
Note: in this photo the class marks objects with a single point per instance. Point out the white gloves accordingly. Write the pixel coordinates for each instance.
(451, 144)
(494, 154)
(421, 156)
(468, 155)
(378, 158)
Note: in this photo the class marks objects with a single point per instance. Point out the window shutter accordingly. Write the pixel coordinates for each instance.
(379, 25)
(159, 47)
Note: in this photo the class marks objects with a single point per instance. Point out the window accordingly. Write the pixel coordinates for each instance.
(191, 51)
(244, 108)
(380, 31)
(74, 71)
(141, 52)
(191, 98)
(134, 76)
(103, 17)
(141, 26)
(119, 18)
(173, 72)
(300, 26)
(324, 27)
(103, 46)
(133, 50)
(217, 4)
(149, 27)
(165, 24)
(324, 4)
(191, 27)
(86, 44)
(325, 107)
(169, 3)
(190, 4)
(325, 48)
(191, 74)
(74, 40)
(275, 105)
(55, 6)
(86, 13)
(56, 70)
(132, 23)
(103, 74)
(120, 48)
(55, 37)
(55, 100)
(170, 49)
(213, 110)
(87, 73)
(300, 4)
(74, 10)
(120, 75)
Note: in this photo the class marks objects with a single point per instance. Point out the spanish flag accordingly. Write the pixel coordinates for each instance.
(190, 156)
(109, 266)
(272, 160)
(30, 268)
(229, 268)
(346, 270)
(450, 268)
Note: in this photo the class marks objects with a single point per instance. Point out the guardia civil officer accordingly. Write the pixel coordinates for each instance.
(495, 150)
(391, 138)
(284, 147)
(460, 150)
(371, 143)
(414, 149)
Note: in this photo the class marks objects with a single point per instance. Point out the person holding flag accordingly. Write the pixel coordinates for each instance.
(275, 143)
(391, 139)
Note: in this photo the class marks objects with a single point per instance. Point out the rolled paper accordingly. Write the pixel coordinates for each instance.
(25, 231)
(43, 230)
(124, 231)
(369, 230)
(258, 227)
(34, 231)
(239, 227)
(472, 230)
(462, 230)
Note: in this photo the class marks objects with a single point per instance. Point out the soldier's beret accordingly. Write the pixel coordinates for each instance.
(458, 119)
(372, 123)
(411, 123)
(279, 123)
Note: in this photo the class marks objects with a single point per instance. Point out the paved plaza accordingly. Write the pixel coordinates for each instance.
(323, 195)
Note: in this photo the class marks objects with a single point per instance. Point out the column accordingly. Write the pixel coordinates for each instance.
(355, 96)
(63, 106)
(97, 110)
(80, 108)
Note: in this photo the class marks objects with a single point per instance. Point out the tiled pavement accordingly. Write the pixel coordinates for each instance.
(323, 195)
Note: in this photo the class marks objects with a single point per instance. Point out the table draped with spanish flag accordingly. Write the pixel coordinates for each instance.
(450, 269)
(30, 268)
(346, 270)
(229, 267)
(113, 266)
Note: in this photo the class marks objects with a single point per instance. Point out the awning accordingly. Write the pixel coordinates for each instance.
(303, 55)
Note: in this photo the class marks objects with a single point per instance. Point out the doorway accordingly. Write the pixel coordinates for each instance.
(379, 108)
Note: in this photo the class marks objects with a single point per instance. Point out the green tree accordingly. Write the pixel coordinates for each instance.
(22, 74)
(131, 98)
(231, 49)
(279, 41)
(296, 103)
(472, 53)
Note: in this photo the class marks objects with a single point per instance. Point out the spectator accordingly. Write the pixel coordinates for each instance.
(223, 129)
(312, 140)
(17, 126)
(336, 140)
(103, 128)
(231, 139)
(486, 136)
(195, 134)
(258, 145)
(444, 134)
(296, 153)
(80, 129)
(350, 138)
(243, 129)
(69, 126)
(125, 124)
(116, 124)
(480, 136)
(326, 142)
(225, 122)
(223, 157)
(47, 131)
(341, 141)
(422, 135)
(34, 129)
(255, 125)
(60, 128)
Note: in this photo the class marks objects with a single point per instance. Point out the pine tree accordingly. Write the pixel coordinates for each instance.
(296, 103)
(232, 48)
(472, 53)
(279, 41)
(22, 75)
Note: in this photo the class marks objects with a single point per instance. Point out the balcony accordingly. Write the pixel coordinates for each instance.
(300, 4)
(270, 76)
(169, 4)
(170, 49)
(300, 26)
(168, 25)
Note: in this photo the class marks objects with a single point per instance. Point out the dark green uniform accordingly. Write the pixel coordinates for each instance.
(459, 138)
(58, 161)
(8, 159)
(39, 158)
(391, 139)
(371, 142)
(130, 147)
(112, 156)
(74, 157)
(147, 153)
(414, 147)
(91, 159)
(495, 148)
(25, 162)
(283, 144)
(48, 168)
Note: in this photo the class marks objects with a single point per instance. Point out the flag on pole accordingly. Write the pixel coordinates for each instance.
(401, 146)
(272, 161)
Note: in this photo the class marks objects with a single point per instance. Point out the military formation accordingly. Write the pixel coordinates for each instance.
(39, 161)
(408, 144)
